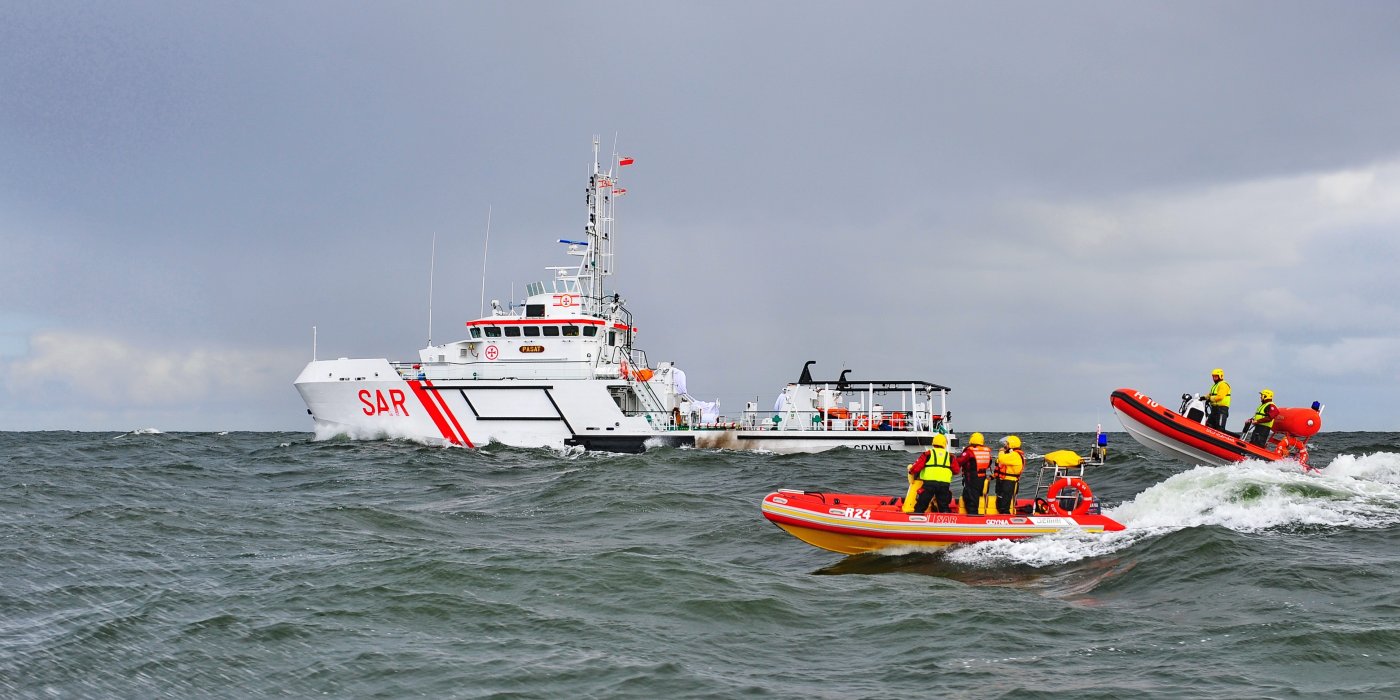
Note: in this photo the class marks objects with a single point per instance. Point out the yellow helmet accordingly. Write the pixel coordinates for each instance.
(976, 439)
(1217, 372)
(940, 441)
(1011, 441)
(1266, 395)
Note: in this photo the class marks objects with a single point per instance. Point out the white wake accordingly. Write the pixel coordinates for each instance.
(1350, 492)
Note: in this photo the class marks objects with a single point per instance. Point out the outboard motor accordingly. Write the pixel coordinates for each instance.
(1193, 406)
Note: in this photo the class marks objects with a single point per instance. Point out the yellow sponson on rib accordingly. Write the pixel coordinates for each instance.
(854, 544)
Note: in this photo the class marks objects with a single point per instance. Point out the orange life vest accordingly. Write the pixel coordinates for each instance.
(983, 455)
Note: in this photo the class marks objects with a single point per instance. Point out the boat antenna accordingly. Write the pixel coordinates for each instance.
(313, 343)
(432, 265)
(486, 249)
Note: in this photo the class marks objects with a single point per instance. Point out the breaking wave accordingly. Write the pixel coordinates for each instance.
(1359, 492)
(141, 431)
(325, 432)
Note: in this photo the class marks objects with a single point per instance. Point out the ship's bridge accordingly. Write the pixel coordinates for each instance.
(552, 329)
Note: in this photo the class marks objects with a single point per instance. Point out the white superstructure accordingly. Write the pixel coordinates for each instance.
(561, 369)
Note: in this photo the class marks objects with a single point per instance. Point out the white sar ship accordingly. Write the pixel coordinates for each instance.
(560, 369)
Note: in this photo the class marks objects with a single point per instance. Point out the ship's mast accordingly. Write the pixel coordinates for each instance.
(597, 260)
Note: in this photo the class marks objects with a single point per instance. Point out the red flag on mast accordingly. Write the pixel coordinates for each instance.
(624, 160)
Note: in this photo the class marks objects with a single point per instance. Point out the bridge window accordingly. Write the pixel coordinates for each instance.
(571, 330)
(590, 331)
(512, 331)
(551, 330)
(493, 331)
(534, 311)
(532, 331)
(476, 332)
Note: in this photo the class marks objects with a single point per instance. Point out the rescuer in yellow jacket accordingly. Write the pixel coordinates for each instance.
(1219, 400)
(1258, 428)
(931, 475)
(1011, 461)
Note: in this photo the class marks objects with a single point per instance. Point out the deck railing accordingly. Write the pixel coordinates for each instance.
(438, 371)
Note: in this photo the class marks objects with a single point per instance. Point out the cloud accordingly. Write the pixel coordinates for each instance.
(98, 371)
(1347, 187)
(1254, 224)
(1366, 357)
(1257, 251)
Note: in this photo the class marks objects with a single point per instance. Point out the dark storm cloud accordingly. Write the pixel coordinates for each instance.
(958, 192)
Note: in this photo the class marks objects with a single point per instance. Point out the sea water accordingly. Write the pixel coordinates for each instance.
(149, 564)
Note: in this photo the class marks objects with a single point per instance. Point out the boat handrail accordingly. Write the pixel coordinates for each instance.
(840, 418)
(532, 370)
(1050, 471)
(661, 420)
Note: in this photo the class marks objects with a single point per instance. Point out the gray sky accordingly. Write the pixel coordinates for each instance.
(1033, 203)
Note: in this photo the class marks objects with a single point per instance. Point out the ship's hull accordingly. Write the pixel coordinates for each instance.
(369, 399)
(859, 523)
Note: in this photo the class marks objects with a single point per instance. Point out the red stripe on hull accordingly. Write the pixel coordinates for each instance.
(431, 406)
(442, 402)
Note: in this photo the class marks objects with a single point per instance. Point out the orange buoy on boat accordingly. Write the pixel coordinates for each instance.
(1298, 422)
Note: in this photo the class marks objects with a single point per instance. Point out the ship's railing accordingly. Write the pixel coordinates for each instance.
(809, 421)
(439, 371)
(636, 362)
(841, 419)
(659, 420)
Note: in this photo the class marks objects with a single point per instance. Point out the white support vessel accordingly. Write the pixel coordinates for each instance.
(561, 370)
(814, 415)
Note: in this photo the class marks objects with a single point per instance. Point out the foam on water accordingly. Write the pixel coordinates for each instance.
(323, 431)
(1352, 492)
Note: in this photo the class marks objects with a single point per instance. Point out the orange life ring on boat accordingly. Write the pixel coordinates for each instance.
(1086, 497)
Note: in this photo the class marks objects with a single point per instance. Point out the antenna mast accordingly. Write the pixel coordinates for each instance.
(484, 251)
(432, 265)
(597, 259)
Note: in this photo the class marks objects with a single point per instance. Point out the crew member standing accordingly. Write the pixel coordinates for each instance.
(1261, 425)
(1219, 399)
(935, 469)
(973, 464)
(1011, 461)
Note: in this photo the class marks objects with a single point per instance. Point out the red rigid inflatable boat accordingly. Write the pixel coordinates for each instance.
(1186, 436)
(852, 523)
